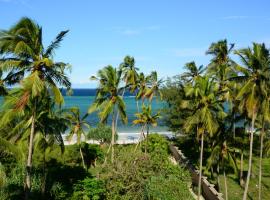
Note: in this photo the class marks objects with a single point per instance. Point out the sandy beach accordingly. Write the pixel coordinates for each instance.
(123, 138)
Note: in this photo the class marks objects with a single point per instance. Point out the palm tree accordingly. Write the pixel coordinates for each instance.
(142, 85)
(130, 77)
(77, 126)
(25, 54)
(130, 73)
(255, 75)
(223, 155)
(145, 119)
(154, 86)
(193, 72)
(108, 99)
(206, 109)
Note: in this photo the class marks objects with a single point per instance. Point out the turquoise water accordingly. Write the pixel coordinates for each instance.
(83, 102)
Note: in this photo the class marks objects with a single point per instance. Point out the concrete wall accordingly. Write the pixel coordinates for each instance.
(208, 190)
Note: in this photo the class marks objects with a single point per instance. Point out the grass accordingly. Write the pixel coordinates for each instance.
(235, 191)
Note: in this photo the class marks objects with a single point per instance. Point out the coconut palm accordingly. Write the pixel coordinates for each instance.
(108, 99)
(142, 85)
(146, 119)
(255, 75)
(206, 110)
(130, 73)
(154, 85)
(25, 54)
(193, 72)
(223, 155)
(77, 126)
(130, 77)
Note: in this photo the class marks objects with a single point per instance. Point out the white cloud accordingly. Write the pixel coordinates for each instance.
(235, 17)
(130, 32)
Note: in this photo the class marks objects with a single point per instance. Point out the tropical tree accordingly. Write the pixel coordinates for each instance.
(192, 72)
(223, 155)
(146, 119)
(206, 110)
(78, 126)
(108, 99)
(130, 73)
(254, 93)
(154, 86)
(24, 53)
(142, 85)
(130, 78)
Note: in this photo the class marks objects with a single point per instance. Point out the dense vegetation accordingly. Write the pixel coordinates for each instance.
(221, 112)
(35, 163)
(223, 108)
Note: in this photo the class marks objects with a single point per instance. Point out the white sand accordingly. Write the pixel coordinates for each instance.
(123, 138)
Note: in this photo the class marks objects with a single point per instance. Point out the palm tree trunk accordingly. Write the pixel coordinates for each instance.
(225, 183)
(141, 136)
(250, 155)
(117, 114)
(82, 158)
(43, 187)
(260, 167)
(218, 181)
(147, 133)
(200, 173)
(241, 169)
(29, 158)
(113, 134)
(137, 103)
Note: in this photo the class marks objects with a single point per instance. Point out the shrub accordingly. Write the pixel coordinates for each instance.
(89, 189)
(169, 188)
(156, 143)
(101, 133)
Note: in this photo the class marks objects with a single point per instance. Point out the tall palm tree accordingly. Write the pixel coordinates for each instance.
(77, 126)
(145, 119)
(206, 109)
(130, 73)
(255, 75)
(130, 78)
(108, 99)
(223, 155)
(193, 72)
(25, 54)
(142, 86)
(154, 85)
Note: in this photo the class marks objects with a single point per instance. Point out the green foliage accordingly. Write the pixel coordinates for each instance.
(156, 144)
(89, 189)
(58, 192)
(101, 133)
(166, 188)
(128, 176)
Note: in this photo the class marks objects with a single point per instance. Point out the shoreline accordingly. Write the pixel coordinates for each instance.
(123, 138)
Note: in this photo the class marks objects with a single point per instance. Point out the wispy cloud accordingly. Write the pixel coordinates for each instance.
(244, 17)
(235, 17)
(130, 31)
(21, 2)
(189, 52)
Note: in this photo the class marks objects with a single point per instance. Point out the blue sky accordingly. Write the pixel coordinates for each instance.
(161, 35)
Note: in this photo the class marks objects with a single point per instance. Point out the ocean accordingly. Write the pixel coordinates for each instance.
(83, 98)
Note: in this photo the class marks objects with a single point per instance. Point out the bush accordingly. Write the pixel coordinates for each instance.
(169, 188)
(130, 175)
(89, 189)
(101, 133)
(156, 143)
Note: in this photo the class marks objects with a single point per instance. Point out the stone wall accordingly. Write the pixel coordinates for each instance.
(208, 190)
